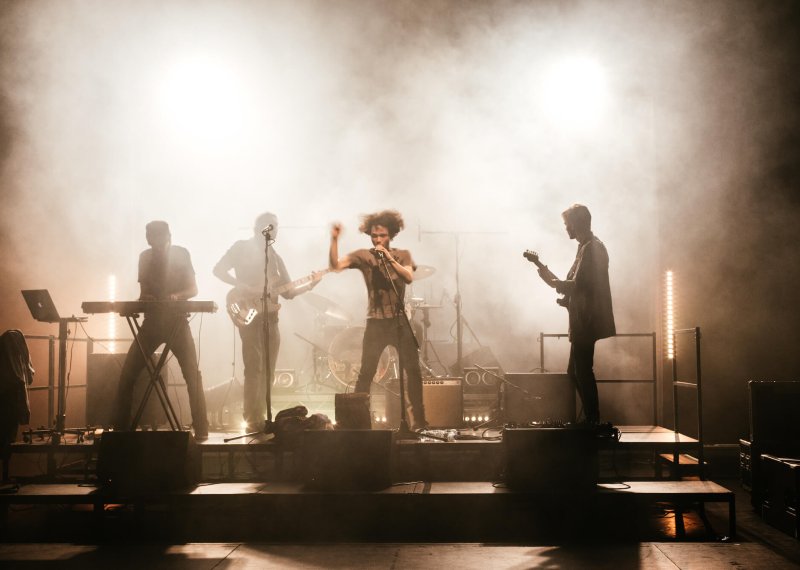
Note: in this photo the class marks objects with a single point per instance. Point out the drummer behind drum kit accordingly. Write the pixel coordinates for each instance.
(337, 355)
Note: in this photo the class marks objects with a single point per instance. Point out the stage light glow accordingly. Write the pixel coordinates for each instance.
(203, 101)
(111, 330)
(575, 93)
(669, 314)
(243, 426)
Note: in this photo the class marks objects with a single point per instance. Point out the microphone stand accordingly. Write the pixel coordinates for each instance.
(402, 321)
(501, 388)
(268, 427)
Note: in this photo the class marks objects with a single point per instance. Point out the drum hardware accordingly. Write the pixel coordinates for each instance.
(319, 358)
(344, 357)
(326, 307)
(423, 272)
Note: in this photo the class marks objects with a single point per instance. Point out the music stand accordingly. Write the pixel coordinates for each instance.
(42, 308)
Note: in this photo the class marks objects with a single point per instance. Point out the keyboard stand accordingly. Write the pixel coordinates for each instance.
(154, 372)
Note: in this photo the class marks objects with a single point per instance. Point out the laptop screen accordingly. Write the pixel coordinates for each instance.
(41, 305)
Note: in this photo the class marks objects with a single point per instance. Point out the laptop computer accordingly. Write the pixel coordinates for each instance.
(41, 305)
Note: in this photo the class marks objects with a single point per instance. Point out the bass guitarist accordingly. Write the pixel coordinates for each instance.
(587, 297)
(246, 259)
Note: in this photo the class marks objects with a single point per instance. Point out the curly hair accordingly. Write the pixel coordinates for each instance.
(392, 220)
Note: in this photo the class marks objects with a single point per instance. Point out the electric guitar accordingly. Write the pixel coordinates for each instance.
(243, 306)
(533, 257)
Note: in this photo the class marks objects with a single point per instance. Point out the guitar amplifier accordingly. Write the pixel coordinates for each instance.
(442, 398)
(443, 402)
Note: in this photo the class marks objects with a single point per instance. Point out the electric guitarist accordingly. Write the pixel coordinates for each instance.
(587, 297)
(245, 259)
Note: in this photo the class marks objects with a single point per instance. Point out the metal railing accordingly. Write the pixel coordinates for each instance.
(696, 386)
(653, 381)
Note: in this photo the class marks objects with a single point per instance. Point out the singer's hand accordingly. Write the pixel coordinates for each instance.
(336, 230)
(380, 250)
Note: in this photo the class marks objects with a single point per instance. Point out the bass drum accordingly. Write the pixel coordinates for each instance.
(344, 358)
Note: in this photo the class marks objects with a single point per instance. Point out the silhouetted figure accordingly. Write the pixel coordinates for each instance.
(165, 274)
(383, 302)
(588, 299)
(246, 259)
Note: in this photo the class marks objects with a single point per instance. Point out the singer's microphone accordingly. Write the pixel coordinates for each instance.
(376, 252)
(267, 229)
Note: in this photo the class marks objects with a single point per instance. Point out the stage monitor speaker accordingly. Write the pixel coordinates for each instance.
(443, 401)
(538, 398)
(102, 382)
(147, 461)
(551, 460)
(343, 460)
(352, 411)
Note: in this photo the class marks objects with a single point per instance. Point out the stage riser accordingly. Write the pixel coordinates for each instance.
(483, 462)
(352, 517)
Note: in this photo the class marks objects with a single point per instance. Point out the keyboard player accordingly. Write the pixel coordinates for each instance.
(165, 274)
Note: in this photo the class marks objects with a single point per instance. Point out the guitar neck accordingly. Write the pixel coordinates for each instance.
(297, 283)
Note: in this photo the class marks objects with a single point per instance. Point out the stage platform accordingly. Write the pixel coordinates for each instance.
(469, 455)
(411, 511)
(253, 489)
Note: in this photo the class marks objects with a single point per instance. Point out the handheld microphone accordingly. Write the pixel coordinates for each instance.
(376, 252)
(267, 229)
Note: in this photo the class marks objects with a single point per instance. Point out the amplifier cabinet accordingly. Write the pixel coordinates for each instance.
(531, 397)
(443, 400)
(102, 382)
(771, 404)
(781, 477)
(347, 460)
(147, 461)
(551, 460)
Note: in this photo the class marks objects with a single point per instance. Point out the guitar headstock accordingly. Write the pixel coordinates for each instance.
(531, 256)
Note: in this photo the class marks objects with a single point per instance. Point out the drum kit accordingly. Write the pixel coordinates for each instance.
(337, 356)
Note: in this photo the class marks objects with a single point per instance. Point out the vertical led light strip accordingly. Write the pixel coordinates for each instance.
(112, 317)
(669, 313)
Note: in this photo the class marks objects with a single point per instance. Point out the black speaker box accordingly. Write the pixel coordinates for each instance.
(102, 382)
(538, 398)
(345, 460)
(352, 411)
(551, 460)
(772, 404)
(147, 461)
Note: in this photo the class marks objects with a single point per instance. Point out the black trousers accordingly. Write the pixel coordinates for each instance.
(379, 334)
(156, 330)
(255, 377)
(581, 372)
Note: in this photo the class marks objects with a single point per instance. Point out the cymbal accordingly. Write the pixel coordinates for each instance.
(325, 306)
(428, 307)
(423, 272)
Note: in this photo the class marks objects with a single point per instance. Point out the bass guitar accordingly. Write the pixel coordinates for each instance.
(533, 257)
(243, 307)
